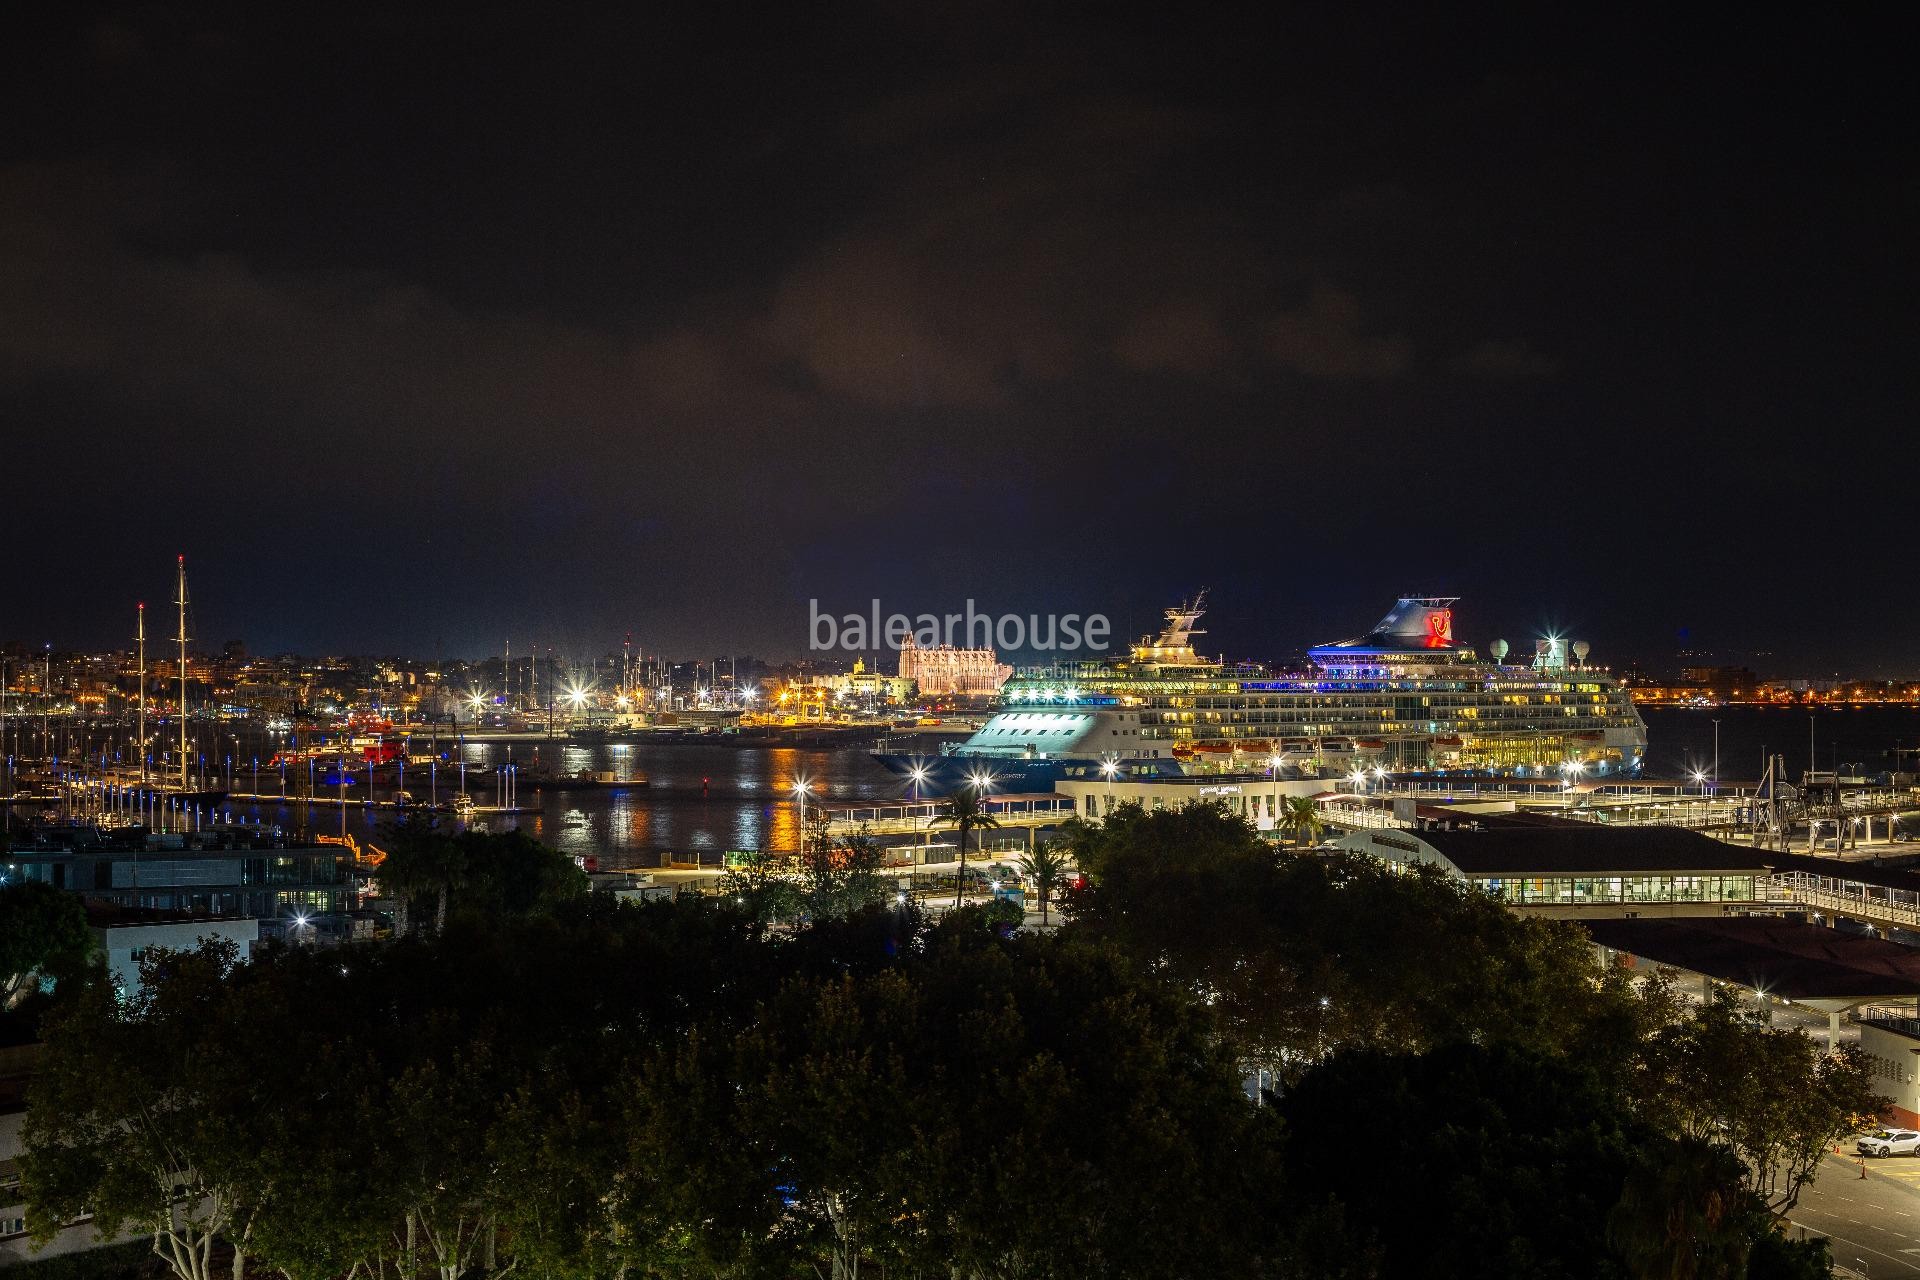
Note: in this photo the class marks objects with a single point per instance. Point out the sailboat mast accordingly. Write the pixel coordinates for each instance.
(141, 636)
(183, 673)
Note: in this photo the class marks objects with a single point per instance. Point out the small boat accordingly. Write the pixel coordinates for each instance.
(585, 780)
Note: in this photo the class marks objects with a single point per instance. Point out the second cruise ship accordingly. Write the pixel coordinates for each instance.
(1405, 697)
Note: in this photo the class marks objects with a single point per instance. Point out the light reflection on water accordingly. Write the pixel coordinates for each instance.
(699, 798)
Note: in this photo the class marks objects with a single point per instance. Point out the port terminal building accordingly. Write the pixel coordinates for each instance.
(1870, 983)
(1259, 798)
(1575, 869)
(1835, 938)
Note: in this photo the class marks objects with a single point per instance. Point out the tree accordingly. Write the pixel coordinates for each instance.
(423, 861)
(1046, 866)
(1302, 816)
(491, 875)
(1302, 953)
(763, 885)
(510, 875)
(1107, 1136)
(43, 936)
(840, 877)
(965, 813)
(140, 1114)
(1724, 1074)
(1526, 1165)
(1685, 1215)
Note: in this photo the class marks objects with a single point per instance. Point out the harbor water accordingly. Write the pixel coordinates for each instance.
(705, 800)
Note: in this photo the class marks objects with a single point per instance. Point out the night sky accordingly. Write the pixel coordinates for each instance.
(419, 333)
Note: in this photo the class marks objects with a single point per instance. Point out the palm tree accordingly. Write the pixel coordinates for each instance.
(1046, 865)
(421, 860)
(1303, 817)
(1685, 1217)
(964, 814)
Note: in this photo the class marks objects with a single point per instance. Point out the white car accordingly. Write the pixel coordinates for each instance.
(1889, 1142)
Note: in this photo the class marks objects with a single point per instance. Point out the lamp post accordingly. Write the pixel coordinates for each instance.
(979, 782)
(1109, 767)
(919, 775)
(801, 786)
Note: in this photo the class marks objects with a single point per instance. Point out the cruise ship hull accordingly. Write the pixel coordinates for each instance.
(943, 774)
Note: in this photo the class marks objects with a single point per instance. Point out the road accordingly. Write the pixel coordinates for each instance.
(1874, 1223)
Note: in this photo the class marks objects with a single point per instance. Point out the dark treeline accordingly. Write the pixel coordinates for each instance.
(544, 1082)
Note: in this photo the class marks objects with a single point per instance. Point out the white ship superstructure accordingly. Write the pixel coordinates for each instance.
(1407, 696)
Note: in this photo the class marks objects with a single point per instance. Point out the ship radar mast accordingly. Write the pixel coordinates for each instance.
(1174, 644)
(140, 635)
(182, 602)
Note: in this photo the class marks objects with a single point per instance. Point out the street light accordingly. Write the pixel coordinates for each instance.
(919, 775)
(1109, 767)
(801, 786)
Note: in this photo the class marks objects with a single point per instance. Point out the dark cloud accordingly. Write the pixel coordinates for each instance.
(1495, 358)
(1323, 337)
(670, 320)
(1178, 338)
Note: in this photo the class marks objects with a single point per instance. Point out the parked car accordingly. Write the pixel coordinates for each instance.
(1889, 1142)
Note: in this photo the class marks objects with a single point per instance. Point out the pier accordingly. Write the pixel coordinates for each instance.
(920, 820)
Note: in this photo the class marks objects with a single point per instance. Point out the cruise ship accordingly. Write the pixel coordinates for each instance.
(1406, 697)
